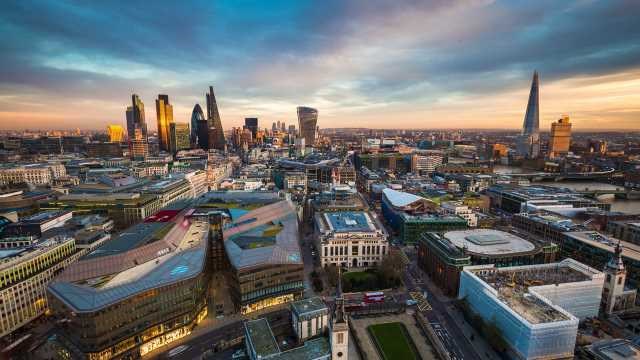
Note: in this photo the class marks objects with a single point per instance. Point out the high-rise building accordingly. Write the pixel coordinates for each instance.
(164, 116)
(529, 140)
(179, 137)
(196, 115)
(307, 122)
(274, 127)
(251, 124)
(292, 129)
(560, 137)
(137, 129)
(115, 133)
(135, 118)
(202, 134)
(216, 133)
(283, 127)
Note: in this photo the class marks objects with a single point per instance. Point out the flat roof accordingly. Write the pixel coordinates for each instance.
(513, 285)
(489, 242)
(607, 243)
(261, 338)
(346, 221)
(307, 306)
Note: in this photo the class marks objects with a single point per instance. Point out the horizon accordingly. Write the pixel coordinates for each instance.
(371, 64)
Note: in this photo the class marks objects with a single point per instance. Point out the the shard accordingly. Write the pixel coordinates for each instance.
(529, 140)
(216, 134)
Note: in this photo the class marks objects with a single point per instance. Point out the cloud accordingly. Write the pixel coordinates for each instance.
(360, 62)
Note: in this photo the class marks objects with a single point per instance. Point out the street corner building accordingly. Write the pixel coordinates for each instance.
(142, 290)
(263, 248)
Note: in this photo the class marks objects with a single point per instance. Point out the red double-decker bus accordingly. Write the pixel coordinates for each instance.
(373, 297)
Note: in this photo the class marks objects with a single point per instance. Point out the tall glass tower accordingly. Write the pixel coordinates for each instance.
(164, 116)
(216, 134)
(196, 116)
(307, 122)
(529, 140)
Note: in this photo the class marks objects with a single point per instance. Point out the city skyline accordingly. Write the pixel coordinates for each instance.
(366, 64)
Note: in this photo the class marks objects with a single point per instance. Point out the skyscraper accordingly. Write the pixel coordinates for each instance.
(116, 133)
(135, 118)
(164, 116)
(251, 124)
(560, 138)
(137, 129)
(196, 116)
(216, 133)
(529, 140)
(307, 121)
(179, 135)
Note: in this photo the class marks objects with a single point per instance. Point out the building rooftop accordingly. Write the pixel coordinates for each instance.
(400, 198)
(266, 235)
(261, 338)
(346, 221)
(516, 286)
(489, 242)
(615, 349)
(307, 306)
(135, 263)
(607, 243)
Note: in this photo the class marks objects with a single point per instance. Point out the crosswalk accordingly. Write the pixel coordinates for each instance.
(423, 304)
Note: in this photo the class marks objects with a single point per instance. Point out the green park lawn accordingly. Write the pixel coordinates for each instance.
(393, 341)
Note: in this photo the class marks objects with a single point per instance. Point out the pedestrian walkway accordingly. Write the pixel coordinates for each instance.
(423, 304)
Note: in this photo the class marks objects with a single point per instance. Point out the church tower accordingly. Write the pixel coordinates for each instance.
(614, 282)
(339, 331)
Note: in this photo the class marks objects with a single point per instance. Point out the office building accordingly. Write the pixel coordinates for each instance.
(596, 250)
(136, 119)
(215, 131)
(536, 308)
(179, 137)
(307, 123)
(137, 129)
(115, 133)
(350, 239)
(516, 199)
(36, 174)
(197, 116)
(560, 138)
(443, 255)
(411, 215)
(137, 292)
(262, 246)
(104, 150)
(459, 209)
(124, 208)
(252, 125)
(529, 140)
(426, 161)
(25, 272)
(164, 117)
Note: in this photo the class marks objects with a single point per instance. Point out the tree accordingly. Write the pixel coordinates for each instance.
(390, 269)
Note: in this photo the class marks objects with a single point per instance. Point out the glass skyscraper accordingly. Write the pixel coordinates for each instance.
(196, 116)
(216, 134)
(307, 123)
(164, 116)
(529, 140)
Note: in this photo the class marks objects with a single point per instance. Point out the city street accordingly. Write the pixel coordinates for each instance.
(437, 312)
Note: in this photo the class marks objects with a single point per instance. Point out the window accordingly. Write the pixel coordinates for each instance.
(620, 280)
(340, 339)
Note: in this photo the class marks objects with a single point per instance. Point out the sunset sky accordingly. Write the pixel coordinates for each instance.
(375, 64)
